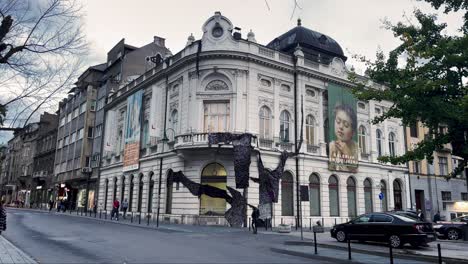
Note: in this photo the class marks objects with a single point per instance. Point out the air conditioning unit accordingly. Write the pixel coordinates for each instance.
(86, 170)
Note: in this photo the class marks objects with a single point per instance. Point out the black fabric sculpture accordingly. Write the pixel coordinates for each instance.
(269, 180)
(242, 148)
(235, 216)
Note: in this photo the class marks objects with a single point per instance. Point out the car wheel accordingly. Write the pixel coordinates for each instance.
(341, 236)
(395, 241)
(453, 234)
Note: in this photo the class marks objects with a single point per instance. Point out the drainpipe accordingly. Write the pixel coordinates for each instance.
(164, 140)
(298, 203)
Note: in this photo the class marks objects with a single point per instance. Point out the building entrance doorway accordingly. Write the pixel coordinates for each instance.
(214, 174)
(419, 198)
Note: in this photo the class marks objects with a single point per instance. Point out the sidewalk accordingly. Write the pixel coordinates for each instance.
(9, 253)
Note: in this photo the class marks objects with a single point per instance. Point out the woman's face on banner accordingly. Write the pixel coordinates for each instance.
(343, 126)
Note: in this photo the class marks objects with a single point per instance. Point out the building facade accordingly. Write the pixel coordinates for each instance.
(431, 190)
(81, 114)
(224, 83)
(20, 178)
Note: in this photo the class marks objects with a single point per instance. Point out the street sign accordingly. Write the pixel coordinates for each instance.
(381, 196)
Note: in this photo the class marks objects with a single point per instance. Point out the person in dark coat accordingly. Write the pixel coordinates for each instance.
(255, 216)
(51, 205)
(421, 216)
(3, 217)
(436, 217)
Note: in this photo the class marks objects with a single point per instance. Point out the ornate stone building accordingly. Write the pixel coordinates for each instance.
(226, 83)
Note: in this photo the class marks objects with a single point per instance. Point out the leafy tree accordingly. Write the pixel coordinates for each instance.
(40, 46)
(426, 79)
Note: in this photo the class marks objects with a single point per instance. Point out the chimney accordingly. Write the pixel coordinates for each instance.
(159, 41)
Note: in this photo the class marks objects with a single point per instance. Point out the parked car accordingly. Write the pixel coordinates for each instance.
(408, 213)
(385, 227)
(452, 230)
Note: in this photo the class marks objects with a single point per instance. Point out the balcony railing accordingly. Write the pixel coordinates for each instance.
(312, 148)
(265, 143)
(285, 146)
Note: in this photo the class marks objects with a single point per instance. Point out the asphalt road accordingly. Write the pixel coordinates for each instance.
(60, 238)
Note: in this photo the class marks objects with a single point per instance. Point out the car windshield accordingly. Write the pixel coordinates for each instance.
(461, 219)
(405, 218)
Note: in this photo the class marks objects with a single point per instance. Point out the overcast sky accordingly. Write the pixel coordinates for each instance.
(356, 25)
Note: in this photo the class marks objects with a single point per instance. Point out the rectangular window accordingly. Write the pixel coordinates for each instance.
(416, 167)
(90, 132)
(69, 117)
(76, 112)
(65, 141)
(82, 108)
(414, 130)
(62, 121)
(88, 162)
(216, 117)
(73, 137)
(100, 103)
(98, 131)
(92, 106)
(443, 166)
(60, 144)
(446, 196)
(80, 134)
(464, 196)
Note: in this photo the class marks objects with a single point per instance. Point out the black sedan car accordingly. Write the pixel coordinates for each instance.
(452, 230)
(385, 227)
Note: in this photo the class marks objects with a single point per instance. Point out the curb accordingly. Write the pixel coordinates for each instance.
(23, 254)
(400, 255)
(311, 256)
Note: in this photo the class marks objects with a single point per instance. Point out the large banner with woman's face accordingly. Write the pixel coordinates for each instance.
(342, 118)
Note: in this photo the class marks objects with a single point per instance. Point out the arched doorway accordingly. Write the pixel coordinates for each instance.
(383, 190)
(214, 174)
(140, 192)
(351, 190)
(169, 185)
(122, 193)
(287, 196)
(398, 201)
(368, 196)
(106, 192)
(314, 195)
(130, 196)
(150, 192)
(334, 197)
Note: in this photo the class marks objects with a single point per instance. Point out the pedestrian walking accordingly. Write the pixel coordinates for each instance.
(51, 205)
(255, 216)
(59, 205)
(124, 208)
(115, 210)
(3, 217)
(421, 216)
(436, 217)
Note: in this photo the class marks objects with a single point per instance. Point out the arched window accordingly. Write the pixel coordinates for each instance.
(362, 139)
(383, 191)
(265, 122)
(379, 142)
(368, 196)
(105, 194)
(114, 196)
(310, 130)
(140, 193)
(150, 192)
(391, 144)
(130, 196)
(398, 201)
(287, 196)
(122, 193)
(169, 185)
(284, 126)
(314, 195)
(214, 174)
(351, 189)
(333, 194)
(175, 120)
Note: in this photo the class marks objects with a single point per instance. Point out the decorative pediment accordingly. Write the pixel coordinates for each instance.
(266, 101)
(217, 85)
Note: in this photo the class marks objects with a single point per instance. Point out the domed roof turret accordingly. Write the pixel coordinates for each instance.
(315, 45)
